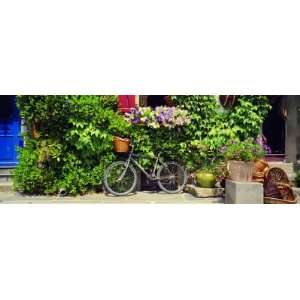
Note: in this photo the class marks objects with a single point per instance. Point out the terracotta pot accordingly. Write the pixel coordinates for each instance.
(206, 179)
(240, 170)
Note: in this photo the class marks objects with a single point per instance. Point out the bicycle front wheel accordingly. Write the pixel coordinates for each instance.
(119, 179)
(172, 177)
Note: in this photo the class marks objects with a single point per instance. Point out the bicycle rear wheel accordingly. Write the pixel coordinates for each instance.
(120, 180)
(172, 177)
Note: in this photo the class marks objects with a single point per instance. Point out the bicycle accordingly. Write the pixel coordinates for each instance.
(120, 177)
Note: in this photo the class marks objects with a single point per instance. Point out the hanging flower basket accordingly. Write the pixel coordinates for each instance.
(121, 145)
(160, 117)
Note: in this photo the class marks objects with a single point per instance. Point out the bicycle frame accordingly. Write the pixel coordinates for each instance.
(151, 176)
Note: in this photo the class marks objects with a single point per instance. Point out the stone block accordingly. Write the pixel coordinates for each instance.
(296, 190)
(6, 187)
(244, 192)
(204, 192)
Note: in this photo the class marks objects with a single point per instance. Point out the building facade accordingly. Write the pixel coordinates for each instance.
(281, 127)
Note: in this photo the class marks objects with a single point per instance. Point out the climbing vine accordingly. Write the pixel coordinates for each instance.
(69, 138)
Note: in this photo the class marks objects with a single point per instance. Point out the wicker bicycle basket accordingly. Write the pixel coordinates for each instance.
(121, 145)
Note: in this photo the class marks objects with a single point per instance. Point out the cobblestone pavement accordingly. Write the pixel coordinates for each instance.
(140, 197)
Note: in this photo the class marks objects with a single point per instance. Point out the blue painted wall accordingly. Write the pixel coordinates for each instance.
(10, 131)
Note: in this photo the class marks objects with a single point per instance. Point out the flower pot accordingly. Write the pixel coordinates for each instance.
(121, 145)
(240, 170)
(206, 179)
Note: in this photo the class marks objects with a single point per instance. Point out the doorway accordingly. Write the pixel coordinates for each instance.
(155, 100)
(274, 127)
(10, 131)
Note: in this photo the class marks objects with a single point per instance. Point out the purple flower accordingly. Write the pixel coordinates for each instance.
(262, 141)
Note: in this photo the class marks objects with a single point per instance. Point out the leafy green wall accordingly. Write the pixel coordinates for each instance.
(71, 143)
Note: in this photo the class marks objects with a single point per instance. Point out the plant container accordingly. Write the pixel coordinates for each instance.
(240, 170)
(206, 179)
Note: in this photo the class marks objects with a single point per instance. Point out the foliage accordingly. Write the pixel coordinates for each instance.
(247, 150)
(203, 112)
(30, 177)
(211, 127)
(297, 179)
(246, 118)
(92, 128)
(74, 144)
(74, 141)
(261, 140)
(162, 116)
(150, 142)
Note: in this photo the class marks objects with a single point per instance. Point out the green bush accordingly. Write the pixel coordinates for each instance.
(297, 179)
(31, 177)
(75, 133)
(247, 150)
(74, 144)
(212, 127)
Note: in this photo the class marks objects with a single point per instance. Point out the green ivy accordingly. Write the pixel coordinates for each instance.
(297, 179)
(73, 145)
(75, 133)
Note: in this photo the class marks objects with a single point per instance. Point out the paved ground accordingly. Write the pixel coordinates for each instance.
(140, 197)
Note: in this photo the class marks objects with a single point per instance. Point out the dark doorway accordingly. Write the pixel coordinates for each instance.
(156, 100)
(274, 126)
(6, 110)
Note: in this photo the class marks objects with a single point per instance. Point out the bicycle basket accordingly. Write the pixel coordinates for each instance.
(121, 145)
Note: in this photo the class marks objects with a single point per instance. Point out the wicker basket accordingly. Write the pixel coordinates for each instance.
(269, 200)
(121, 145)
(259, 177)
(260, 165)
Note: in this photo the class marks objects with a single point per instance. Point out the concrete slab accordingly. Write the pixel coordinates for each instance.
(136, 198)
(6, 186)
(244, 192)
(204, 192)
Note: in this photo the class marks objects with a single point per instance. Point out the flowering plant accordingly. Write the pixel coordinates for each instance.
(262, 141)
(247, 150)
(162, 116)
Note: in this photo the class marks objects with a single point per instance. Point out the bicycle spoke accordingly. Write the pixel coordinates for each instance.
(172, 177)
(120, 178)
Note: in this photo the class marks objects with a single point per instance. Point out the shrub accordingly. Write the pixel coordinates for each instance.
(246, 118)
(74, 141)
(211, 127)
(74, 144)
(247, 150)
(30, 177)
(297, 179)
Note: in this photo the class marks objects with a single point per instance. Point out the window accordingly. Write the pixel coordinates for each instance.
(228, 100)
(127, 102)
(6, 110)
(155, 100)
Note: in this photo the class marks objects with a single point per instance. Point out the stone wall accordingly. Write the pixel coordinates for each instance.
(293, 129)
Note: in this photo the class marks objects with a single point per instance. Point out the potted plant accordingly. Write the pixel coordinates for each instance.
(240, 157)
(206, 177)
